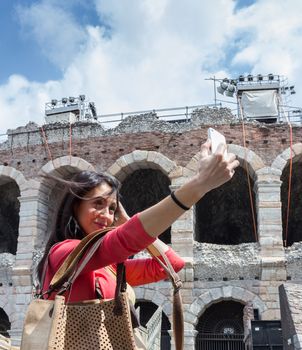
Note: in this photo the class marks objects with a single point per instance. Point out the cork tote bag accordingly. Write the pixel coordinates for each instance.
(89, 325)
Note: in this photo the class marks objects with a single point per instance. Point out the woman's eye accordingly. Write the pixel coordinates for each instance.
(98, 205)
(112, 210)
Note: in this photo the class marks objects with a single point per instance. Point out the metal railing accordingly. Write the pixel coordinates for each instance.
(183, 114)
(176, 114)
(211, 341)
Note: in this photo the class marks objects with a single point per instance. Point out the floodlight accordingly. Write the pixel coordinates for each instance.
(260, 77)
(71, 99)
(54, 102)
(250, 77)
(82, 98)
(292, 92)
(64, 100)
(241, 78)
(230, 90)
(271, 76)
(292, 87)
(223, 86)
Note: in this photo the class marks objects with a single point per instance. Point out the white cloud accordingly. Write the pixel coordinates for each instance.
(55, 30)
(157, 55)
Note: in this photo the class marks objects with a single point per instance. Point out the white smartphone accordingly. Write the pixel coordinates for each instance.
(216, 139)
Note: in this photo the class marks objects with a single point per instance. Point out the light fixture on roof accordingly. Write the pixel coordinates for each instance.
(250, 77)
(223, 86)
(230, 90)
(64, 100)
(271, 76)
(228, 87)
(54, 102)
(71, 99)
(260, 77)
(292, 90)
(82, 98)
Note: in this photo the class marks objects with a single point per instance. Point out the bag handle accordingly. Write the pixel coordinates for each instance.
(178, 318)
(69, 271)
(69, 265)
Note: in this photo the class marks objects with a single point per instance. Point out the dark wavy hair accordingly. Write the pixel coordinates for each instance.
(76, 189)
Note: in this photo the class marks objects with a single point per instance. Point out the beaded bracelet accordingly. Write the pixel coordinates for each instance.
(176, 201)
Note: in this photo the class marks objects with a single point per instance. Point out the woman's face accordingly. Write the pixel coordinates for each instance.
(97, 212)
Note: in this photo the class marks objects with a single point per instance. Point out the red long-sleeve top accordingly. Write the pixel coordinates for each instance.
(117, 245)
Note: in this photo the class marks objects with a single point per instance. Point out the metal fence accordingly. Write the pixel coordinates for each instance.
(176, 114)
(210, 341)
(183, 114)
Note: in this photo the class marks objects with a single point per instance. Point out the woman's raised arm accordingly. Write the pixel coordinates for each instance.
(213, 171)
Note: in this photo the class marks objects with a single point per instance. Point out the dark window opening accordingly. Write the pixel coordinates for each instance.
(221, 327)
(144, 188)
(294, 229)
(147, 309)
(224, 215)
(9, 216)
(4, 323)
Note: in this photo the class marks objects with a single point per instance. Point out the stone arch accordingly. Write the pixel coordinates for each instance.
(254, 162)
(291, 218)
(66, 163)
(148, 172)
(281, 160)
(156, 297)
(13, 174)
(138, 159)
(214, 295)
(220, 213)
(63, 167)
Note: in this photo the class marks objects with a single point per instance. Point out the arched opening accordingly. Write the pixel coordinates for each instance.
(144, 188)
(147, 309)
(4, 323)
(292, 220)
(9, 215)
(224, 215)
(221, 327)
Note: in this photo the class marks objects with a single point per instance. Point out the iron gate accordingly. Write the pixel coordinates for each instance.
(211, 341)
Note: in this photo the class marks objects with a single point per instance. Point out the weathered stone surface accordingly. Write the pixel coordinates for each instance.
(232, 262)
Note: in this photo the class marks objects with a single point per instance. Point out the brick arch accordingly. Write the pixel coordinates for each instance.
(130, 162)
(243, 154)
(59, 167)
(216, 295)
(281, 160)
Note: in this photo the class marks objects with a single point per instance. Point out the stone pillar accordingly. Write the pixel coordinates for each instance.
(248, 316)
(182, 241)
(270, 225)
(22, 270)
(189, 339)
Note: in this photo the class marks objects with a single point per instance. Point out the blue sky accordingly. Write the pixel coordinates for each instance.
(139, 54)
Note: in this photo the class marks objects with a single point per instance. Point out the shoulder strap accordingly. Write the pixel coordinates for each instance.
(178, 318)
(69, 265)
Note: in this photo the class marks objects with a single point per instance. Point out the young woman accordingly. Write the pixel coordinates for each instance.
(92, 203)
